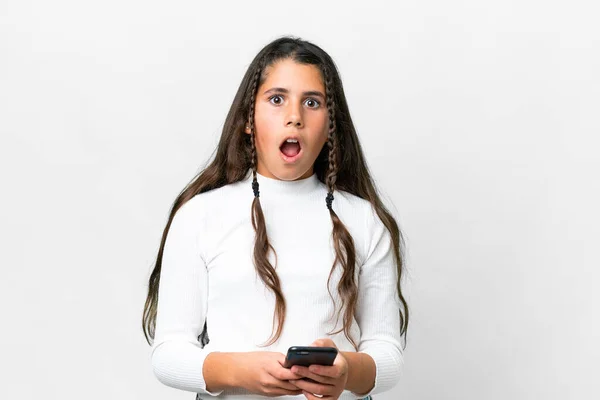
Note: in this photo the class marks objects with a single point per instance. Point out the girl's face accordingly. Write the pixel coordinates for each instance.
(290, 104)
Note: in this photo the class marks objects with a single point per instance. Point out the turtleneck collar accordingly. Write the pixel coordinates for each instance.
(272, 187)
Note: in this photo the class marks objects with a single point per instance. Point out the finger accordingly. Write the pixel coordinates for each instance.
(332, 371)
(285, 374)
(324, 342)
(285, 392)
(305, 372)
(288, 385)
(311, 396)
(313, 387)
(281, 359)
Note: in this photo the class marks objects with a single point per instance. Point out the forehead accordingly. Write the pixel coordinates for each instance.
(293, 76)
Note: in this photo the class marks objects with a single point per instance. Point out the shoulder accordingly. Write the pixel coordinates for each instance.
(189, 215)
(360, 218)
(216, 203)
(354, 207)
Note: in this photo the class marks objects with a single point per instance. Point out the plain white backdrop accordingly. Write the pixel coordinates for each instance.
(479, 120)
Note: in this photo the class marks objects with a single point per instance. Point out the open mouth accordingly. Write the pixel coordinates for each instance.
(290, 149)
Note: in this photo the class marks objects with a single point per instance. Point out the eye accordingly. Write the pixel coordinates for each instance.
(314, 102)
(273, 97)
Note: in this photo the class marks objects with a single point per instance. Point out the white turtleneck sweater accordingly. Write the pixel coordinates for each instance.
(208, 274)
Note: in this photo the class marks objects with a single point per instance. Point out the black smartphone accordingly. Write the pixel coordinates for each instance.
(309, 355)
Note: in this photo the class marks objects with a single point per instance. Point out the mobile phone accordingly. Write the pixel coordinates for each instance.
(309, 355)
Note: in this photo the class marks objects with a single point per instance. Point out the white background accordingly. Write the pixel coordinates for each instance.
(479, 120)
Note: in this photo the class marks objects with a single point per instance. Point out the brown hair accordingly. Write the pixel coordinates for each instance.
(341, 165)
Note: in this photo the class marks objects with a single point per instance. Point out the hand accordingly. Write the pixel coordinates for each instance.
(327, 381)
(262, 372)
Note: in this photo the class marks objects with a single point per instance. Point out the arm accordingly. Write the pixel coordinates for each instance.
(177, 356)
(218, 371)
(379, 360)
(361, 372)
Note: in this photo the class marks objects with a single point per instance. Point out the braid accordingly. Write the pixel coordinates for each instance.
(253, 163)
(251, 122)
(331, 139)
(262, 246)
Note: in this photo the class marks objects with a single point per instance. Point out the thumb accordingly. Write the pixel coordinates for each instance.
(281, 359)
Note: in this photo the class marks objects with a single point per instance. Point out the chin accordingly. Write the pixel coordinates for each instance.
(291, 173)
(291, 176)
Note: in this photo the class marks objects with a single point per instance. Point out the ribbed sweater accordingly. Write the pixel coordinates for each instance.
(208, 275)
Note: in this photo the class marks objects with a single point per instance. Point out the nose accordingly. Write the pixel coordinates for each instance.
(294, 117)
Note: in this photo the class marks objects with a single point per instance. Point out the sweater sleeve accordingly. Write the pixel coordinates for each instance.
(378, 306)
(177, 355)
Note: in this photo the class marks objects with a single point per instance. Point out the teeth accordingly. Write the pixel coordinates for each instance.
(292, 141)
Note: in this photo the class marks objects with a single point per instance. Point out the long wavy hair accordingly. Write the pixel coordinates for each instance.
(340, 166)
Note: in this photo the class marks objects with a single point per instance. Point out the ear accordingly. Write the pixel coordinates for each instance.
(247, 129)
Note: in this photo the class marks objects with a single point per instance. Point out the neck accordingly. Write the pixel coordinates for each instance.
(273, 187)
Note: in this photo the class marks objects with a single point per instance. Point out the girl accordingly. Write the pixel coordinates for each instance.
(233, 270)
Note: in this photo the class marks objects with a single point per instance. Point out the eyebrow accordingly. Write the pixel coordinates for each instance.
(283, 90)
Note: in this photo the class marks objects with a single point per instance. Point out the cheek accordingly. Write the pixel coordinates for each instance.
(323, 123)
(325, 132)
(318, 125)
(264, 128)
(265, 121)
